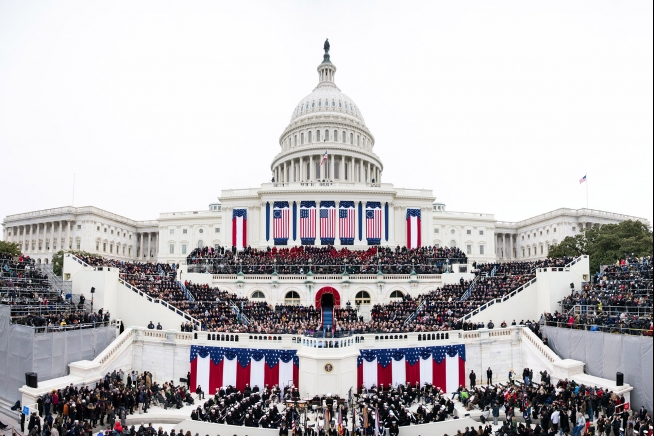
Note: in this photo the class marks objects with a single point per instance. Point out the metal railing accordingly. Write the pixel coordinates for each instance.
(186, 291)
(615, 328)
(593, 310)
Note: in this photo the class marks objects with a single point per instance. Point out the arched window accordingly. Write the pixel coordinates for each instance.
(292, 298)
(326, 135)
(313, 104)
(335, 138)
(295, 140)
(317, 170)
(452, 243)
(319, 103)
(344, 137)
(318, 135)
(258, 294)
(362, 297)
(302, 138)
(340, 104)
(352, 138)
(358, 141)
(333, 103)
(397, 294)
(336, 170)
(310, 139)
(200, 243)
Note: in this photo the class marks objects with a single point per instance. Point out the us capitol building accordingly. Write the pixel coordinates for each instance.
(327, 187)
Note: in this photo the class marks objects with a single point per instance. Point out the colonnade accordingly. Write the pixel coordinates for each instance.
(338, 167)
(147, 245)
(49, 236)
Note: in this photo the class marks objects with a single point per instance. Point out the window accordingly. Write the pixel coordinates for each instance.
(437, 245)
(523, 237)
(98, 228)
(111, 248)
(362, 297)
(554, 230)
(452, 231)
(344, 134)
(295, 140)
(523, 252)
(79, 227)
(468, 249)
(183, 248)
(105, 230)
(397, 294)
(104, 247)
(529, 251)
(452, 243)
(468, 232)
(216, 246)
(319, 103)
(352, 138)
(318, 135)
(528, 236)
(257, 294)
(217, 230)
(481, 249)
(481, 233)
(97, 246)
(358, 140)
(292, 298)
(310, 136)
(123, 250)
(335, 137)
(171, 249)
(172, 231)
(302, 138)
(112, 232)
(548, 231)
(200, 243)
(541, 233)
(437, 230)
(184, 231)
(201, 231)
(326, 135)
(541, 249)
(574, 228)
(337, 171)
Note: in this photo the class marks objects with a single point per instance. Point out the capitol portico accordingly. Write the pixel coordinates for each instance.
(326, 162)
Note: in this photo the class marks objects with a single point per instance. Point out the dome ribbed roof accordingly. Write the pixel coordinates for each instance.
(327, 99)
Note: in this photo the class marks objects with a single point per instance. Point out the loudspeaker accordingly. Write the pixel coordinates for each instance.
(619, 379)
(31, 380)
(92, 290)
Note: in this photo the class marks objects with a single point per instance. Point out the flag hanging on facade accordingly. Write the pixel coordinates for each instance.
(308, 222)
(413, 221)
(324, 158)
(346, 222)
(280, 222)
(582, 180)
(373, 222)
(442, 366)
(239, 228)
(327, 222)
(213, 367)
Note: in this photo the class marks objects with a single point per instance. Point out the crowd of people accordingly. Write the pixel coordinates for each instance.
(323, 260)
(618, 300)
(34, 301)
(79, 410)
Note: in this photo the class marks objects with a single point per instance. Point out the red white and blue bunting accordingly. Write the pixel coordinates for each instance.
(442, 366)
(213, 367)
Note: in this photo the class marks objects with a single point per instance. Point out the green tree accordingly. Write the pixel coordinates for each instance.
(9, 248)
(58, 263)
(607, 244)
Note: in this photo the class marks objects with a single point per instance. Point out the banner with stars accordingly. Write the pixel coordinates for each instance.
(214, 367)
(442, 366)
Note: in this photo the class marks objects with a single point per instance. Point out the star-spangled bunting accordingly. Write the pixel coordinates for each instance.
(411, 355)
(243, 355)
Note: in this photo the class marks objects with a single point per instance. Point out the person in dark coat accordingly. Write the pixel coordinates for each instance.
(473, 378)
(489, 376)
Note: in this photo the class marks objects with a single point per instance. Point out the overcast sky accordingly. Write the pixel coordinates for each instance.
(155, 106)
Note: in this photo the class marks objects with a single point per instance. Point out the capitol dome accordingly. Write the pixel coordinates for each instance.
(326, 125)
(327, 98)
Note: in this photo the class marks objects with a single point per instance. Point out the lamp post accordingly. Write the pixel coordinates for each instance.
(413, 266)
(379, 270)
(240, 266)
(310, 272)
(275, 266)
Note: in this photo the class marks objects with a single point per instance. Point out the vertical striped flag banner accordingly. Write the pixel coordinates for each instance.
(442, 366)
(346, 222)
(413, 228)
(327, 222)
(239, 228)
(213, 367)
(373, 222)
(281, 213)
(308, 222)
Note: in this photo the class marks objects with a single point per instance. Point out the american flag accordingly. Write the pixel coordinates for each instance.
(327, 222)
(308, 222)
(280, 222)
(324, 158)
(293, 422)
(373, 222)
(582, 180)
(346, 222)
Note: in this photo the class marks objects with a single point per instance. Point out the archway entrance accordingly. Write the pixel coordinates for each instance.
(332, 297)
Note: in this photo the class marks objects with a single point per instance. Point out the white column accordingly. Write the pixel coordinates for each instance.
(68, 242)
(52, 236)
(61, 235)
(311, 169)
(149, 244)
(285, 174)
